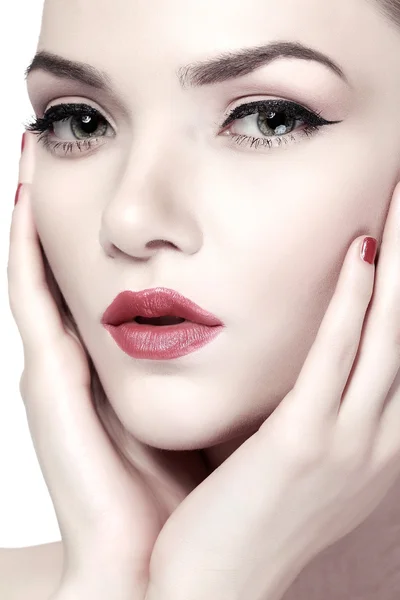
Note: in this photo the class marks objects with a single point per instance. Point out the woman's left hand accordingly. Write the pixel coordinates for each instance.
(317, 467)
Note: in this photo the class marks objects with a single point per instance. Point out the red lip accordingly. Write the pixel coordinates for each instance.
(159, 341)
(156, 302)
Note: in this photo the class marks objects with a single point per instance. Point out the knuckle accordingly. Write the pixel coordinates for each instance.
(13, 272)
(25, 384)
(395, 329)
(349, 455)
(361, 287)
(389, 327)
(12, 295)
(348, 461)
(388, 320)
(309, 455)
(297, 442)
(35, 385)
(301, 451)
(342, 350)
(23, 387)
(29, 386)
(342, 336)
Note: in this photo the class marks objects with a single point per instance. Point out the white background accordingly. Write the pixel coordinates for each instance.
(27, 515)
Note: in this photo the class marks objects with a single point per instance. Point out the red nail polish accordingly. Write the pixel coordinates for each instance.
(368, 251)
(23, 142)
(17, 193)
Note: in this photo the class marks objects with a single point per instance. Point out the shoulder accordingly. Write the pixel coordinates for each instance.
(33, 572)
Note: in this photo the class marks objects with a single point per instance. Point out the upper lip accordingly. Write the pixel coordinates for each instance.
(155, 302)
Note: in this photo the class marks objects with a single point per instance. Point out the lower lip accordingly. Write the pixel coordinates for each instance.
(163, 342)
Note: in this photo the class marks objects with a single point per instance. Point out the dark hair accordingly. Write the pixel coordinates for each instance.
(390, 9)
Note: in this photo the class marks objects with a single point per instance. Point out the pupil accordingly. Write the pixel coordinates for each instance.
(272, 121)
(89, 124)
(276, 120)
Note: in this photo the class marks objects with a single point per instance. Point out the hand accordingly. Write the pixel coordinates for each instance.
(316, 468)
(109, 515)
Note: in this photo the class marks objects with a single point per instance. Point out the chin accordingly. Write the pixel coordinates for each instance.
(183, 421)
(178, 430)
(188, 409)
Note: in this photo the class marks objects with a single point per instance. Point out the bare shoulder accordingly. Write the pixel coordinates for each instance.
(33, 572)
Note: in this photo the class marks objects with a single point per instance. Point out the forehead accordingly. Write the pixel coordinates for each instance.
(196, 24)
(150, 39)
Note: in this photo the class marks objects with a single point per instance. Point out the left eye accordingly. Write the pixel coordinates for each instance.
(268, 123)
(274, 118)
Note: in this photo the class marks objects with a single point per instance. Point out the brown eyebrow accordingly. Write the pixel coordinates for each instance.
(221, 68)
(236, 64)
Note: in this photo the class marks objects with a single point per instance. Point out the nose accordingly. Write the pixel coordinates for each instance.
(152, 210)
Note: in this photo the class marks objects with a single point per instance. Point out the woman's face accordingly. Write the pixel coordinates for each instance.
(254, 233)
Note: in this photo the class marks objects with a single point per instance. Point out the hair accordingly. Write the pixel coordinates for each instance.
(390, 9)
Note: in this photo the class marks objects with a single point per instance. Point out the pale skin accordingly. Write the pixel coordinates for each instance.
(306, 447)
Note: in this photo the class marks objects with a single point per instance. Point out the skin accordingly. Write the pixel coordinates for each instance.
(256, 237)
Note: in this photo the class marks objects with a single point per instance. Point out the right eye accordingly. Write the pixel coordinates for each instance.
(83, 122)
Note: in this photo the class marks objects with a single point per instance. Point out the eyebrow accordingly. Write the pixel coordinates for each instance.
(221, 68)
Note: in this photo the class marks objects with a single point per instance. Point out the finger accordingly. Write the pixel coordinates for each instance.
(386, 450)
(378, 360)
(27, 159)
(25, 271)
(92, 491)
(315, 399)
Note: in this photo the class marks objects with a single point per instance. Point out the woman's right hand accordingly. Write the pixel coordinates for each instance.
(109, 516)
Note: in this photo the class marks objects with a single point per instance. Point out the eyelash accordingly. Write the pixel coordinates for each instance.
(64, 112)
(313, 121)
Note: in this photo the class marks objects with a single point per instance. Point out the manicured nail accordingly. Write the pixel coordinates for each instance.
(17, 193)
(368, 251)
(23, 142)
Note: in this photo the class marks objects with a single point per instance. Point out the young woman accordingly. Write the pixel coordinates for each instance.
(211, 347)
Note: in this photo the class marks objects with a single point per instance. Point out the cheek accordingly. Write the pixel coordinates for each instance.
(287, 234)
(67, 239)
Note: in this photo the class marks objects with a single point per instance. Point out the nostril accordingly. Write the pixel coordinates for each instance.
(159, 244)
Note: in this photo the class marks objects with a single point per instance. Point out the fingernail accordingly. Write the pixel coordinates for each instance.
(368, 251)
(17, 193)
(23, 142)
